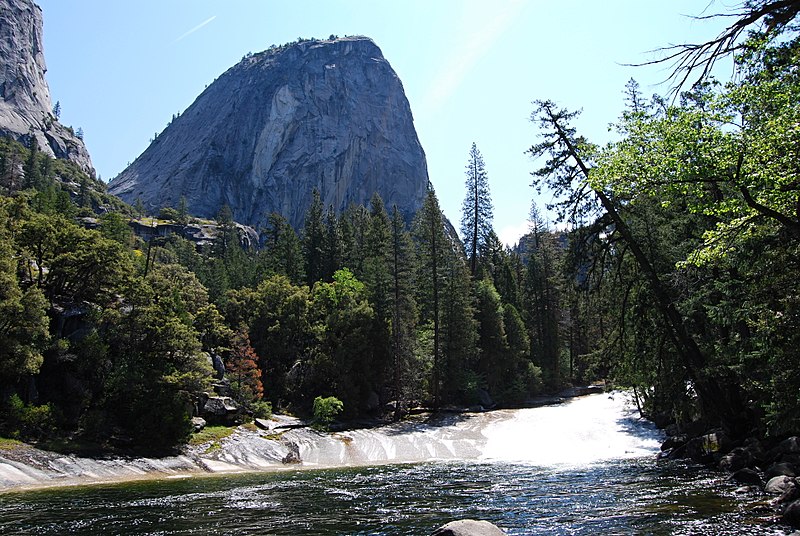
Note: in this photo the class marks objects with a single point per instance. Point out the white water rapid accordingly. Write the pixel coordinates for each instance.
(585, 430)
(578, 432)
(581, 431)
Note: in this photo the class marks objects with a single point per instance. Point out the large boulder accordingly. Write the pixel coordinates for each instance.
(738, 458)
(198, 423)
(787, 451)
(747, 476)
(468, 527)
(220, 410)
(292, 456)
(703, 448)
(324, 114)
(778, 485)
(791, 514)
(781, 469)
(790, 444)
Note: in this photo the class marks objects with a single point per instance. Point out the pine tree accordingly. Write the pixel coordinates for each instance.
(331, 245)
(377, 280)
(477, 211)
(459, 333)
(32, 170)
(313, 238)
(243, 371)
(431, 249)
(183, 211)
(493, 364)
(377, 251)
(403, 307)
(354, 224)
(226, 232)
(541, 301)
(282, 249)
(138, 207)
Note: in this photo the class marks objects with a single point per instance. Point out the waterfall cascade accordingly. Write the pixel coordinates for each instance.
(580, 431)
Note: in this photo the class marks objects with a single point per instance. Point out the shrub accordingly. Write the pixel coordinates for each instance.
(325, 409)
(26, 420)
(261, 409)
(169, 213)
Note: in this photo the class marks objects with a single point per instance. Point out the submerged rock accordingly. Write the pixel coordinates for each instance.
(468, 527)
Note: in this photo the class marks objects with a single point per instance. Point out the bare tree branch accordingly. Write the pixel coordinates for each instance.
(768, 17)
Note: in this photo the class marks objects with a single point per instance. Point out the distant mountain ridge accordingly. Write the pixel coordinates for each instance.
(324, 114)
(26, 110)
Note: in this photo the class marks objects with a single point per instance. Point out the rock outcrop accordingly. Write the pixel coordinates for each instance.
(25, 105)
(325, 114)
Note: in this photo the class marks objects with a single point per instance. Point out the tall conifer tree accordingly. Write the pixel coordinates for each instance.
(431, 246)
(477, 211)
(313, 237)
(403, 307)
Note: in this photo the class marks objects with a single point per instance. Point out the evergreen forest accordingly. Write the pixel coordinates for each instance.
(673, 271)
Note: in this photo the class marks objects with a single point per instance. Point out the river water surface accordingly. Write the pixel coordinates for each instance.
(584, 467)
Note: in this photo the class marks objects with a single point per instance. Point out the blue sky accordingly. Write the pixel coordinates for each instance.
(470, 68)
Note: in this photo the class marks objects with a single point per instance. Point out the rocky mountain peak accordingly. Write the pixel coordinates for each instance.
(25, 105)
(325, 114)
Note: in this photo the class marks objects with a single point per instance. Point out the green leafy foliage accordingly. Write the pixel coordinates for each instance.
(690, 258)
(325, 410)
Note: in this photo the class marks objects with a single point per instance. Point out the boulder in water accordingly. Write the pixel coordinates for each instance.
(790, 494)
(738, 458)
(674, 441)
(792, 514)
(781, 469)
(702, 449)
(468, 527)
(747, 476)
(778, 485)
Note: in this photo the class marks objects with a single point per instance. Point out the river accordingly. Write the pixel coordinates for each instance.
(584, 467)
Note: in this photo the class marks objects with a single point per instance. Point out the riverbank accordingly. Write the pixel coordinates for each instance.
(763, 468)
(284, 444)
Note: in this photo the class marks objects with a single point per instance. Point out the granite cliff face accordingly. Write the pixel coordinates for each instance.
(330, 115)
(25, 106)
